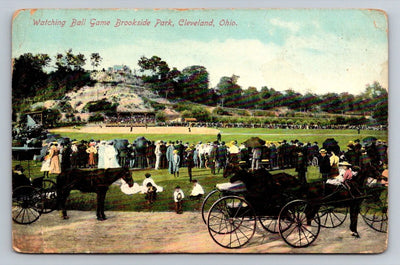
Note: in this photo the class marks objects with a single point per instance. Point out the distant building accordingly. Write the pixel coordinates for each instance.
(120, 69)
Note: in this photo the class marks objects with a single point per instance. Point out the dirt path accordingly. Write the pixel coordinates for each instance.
(167, 232)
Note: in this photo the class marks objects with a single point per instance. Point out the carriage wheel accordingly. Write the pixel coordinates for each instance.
(294, 227)
(269, 223)
(208, 202)
(331, 216)
(26, 206)
(49, 196)
(374, 211)
(231, 222)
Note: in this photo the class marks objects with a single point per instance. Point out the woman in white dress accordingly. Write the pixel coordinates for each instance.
(136, 188)
(45, 164)
(110, 156)
(101, 151)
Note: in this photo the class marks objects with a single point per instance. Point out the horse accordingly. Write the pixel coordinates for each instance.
(96, 181)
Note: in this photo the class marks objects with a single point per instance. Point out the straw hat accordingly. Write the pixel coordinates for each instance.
(345, 163)
(322, 151)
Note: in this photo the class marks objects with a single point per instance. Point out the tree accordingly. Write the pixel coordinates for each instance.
(194, 83)
(95, 59)
(266, 92)
(292, 99)
(310, 102)
(229, 90)
(70, 62)
(200, 113)
(330, 102)
(250, 98)
(28, 74)
(157, 74)
(377, 99)
(273, 101)
(346, 102)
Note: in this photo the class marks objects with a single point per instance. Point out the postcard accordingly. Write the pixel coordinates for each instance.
(200, 131)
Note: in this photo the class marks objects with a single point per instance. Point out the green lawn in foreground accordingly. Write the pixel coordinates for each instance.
(242, 134)
(118, 201)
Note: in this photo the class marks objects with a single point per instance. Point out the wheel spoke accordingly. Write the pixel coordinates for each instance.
(16, 217)
(305, 236)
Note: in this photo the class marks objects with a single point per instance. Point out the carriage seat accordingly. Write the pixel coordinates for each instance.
(235, 187)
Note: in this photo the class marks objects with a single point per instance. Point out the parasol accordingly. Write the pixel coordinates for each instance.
(330, 145)
(369, 140)
(254, 142)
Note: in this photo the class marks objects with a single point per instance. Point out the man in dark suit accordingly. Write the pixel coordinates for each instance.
(324, 164)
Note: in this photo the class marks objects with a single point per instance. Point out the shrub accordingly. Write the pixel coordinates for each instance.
(96, 117)
(160, 116)
(100, 105)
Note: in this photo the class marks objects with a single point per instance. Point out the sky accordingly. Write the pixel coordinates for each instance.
(307, 50)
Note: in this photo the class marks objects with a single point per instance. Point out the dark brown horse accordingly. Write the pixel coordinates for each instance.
(96, 181)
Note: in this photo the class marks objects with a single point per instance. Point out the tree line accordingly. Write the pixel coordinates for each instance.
(31, 80)
(192, 84)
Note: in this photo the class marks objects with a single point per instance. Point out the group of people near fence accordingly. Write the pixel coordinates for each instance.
(174, 155)
(336, 166)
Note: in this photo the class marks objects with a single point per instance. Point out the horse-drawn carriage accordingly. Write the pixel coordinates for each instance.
(283, 205)
(30, 201)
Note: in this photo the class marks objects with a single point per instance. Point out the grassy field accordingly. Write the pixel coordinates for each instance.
(116, 200)
(242, 134)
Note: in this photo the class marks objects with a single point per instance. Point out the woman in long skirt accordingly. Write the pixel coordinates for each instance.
(55, 167)
(91, 151)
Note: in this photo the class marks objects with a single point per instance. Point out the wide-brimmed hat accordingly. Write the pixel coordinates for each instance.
(322, 151)
(345, 163)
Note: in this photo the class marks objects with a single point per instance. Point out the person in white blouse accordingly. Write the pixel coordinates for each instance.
(197, 191)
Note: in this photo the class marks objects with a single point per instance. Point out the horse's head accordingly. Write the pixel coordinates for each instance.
(368, 171)
(127, 176)
(230, 169)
